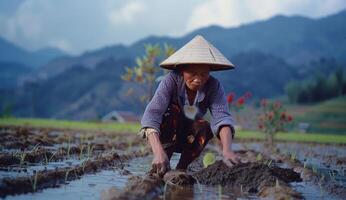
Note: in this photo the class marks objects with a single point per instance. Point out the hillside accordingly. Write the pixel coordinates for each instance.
(267, 55)
(326, 117)
(13, 53)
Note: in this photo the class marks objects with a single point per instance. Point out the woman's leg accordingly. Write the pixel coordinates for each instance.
(198, 134)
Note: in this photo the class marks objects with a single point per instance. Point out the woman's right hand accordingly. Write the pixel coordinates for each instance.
(160, 164)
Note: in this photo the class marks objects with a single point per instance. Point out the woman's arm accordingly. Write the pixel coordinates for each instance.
(160, 163)
(226, 142)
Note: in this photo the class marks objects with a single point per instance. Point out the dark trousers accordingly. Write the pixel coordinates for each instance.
(183, 135)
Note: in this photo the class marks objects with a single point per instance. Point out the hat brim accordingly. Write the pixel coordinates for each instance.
(213, 66)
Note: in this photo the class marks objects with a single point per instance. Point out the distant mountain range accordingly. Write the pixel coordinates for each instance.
(12, 53)
(267, 55)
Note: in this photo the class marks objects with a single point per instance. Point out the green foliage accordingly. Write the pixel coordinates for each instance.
(208, 159)
(146, 70)
(325, 117)
(317, 88)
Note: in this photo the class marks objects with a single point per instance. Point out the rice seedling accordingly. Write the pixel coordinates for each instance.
(50, 159)
(220, 192)
(314, 169)
(35, 148)
(22, 159)
(68, 147)
(34, 182)
(81, 148)
(270, 162)
(321, 188)
(200, 188)
(208, 159)
(89, 150)
(259, 157)
(277, 184)
(332, 175)
(66, 176)
(293, 156)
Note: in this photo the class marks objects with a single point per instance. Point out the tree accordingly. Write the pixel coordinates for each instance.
(146, 71)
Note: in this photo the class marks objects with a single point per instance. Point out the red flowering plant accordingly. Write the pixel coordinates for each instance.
(272, 119)
(237, 104)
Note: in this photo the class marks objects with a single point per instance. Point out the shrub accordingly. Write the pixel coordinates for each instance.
(272, 119)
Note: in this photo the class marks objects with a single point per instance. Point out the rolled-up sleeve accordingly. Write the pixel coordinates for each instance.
(219, 110)
(154, 111)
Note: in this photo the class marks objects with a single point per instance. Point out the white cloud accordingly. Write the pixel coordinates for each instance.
(79, 25)
(126, 14)
(229, 13)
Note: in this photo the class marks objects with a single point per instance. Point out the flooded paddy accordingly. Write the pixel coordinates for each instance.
(41, 164)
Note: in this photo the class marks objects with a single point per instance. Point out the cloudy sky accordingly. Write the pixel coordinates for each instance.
(79, 25)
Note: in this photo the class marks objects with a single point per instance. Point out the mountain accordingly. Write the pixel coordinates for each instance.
(12, 53)
(267, 55)
(10, 73)
(297, 40)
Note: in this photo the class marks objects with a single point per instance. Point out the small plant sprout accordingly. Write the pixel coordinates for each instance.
(259, 157)
(89, 150)
(321, 189)
(277, 184)
(50, 158)
(81, 148)
(66, 176)
(332, 175)
(129, 144)
(22, 159)
(35, 148)
(83, 165)
(208, 159)
(200, 188)
(270, 162)
(293, 156)
(241, 189)
(34, 182)
(314, 169)
(68, 147)
(220, 192)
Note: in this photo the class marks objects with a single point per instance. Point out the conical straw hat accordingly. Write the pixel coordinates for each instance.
(198, 51)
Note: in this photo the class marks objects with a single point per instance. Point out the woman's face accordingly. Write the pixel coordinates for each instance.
(195, 76)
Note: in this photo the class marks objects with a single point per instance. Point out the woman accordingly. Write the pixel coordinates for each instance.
(173, 119)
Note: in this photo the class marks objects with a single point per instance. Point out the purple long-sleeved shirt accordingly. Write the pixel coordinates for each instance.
(173, 86)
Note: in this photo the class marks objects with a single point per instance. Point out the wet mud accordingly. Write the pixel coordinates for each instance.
(251, 177)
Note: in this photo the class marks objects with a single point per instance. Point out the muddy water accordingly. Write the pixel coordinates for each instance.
(90, 186)
(324, 159)
(327, 160)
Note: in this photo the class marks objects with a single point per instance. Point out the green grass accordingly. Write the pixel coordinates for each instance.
(73, 125)
(324, 117)
(296, 137)
(134, 128)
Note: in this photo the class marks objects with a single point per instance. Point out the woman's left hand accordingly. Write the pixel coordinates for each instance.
(230, 158)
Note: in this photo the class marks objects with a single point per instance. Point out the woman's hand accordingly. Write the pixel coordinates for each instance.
(230, 158)
(160, 163)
